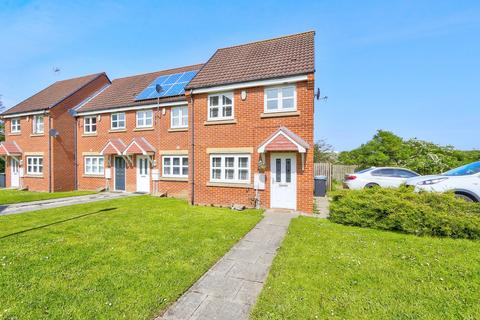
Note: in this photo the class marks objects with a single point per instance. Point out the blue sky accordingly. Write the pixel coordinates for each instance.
(412, 67)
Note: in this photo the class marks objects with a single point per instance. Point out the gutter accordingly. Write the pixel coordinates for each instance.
(75, 157)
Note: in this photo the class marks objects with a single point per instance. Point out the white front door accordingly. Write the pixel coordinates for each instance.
(283, 181)
(143, 174)
(15, 173)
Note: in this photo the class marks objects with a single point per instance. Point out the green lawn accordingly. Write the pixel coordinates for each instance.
(117, 259)
(329, 271)
(8, 196)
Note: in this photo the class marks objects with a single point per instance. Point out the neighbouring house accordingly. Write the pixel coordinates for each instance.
(40, 135)
(235, 130)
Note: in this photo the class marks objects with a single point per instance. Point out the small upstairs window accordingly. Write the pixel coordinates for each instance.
(281, 99)
(37, 125)
(118, 121)
(15, 125)
(90, 124)
(144, 119)
(220, 106)
(179, 117)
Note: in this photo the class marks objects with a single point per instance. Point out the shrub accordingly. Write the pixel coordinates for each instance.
(406, 211)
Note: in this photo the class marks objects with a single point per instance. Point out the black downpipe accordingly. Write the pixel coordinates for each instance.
(193, 149)
(75, 158)
(49, 155)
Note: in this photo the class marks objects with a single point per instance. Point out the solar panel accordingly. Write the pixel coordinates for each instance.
(172, 85)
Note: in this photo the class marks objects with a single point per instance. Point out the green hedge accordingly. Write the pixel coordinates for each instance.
(406, 211)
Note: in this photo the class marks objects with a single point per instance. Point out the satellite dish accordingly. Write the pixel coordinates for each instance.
(53, 133)
(72, 112)
(158, 88)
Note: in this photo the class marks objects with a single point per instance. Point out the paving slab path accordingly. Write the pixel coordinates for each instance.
(230, 288)
(60, 202)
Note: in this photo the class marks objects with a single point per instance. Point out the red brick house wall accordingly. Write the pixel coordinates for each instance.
(250, 131)
(161, 136)
(62, 147)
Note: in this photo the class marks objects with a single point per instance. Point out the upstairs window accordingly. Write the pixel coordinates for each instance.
(280, 99)
(179, 117)
(15, 125)
(37, 124)
(90, 124)
(220, 106)
(144, 119)
(118, 121)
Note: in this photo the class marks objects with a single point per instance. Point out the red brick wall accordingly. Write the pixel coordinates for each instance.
(250, 131)
(160, 136)
(29, 143)
(62, 150)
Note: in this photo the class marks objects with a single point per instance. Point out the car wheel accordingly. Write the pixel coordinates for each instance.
(371, 185)
(464, 197)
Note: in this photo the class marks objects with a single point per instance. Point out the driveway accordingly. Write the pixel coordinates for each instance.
(61, 202)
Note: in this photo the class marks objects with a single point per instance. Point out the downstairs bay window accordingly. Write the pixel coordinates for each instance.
(230, 168)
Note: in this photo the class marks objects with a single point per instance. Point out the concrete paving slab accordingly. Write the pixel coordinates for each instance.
(231, 287)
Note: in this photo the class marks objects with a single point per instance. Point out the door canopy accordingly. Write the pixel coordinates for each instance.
(284, 140)
(139, 146)
(114, 147)
(10, 148)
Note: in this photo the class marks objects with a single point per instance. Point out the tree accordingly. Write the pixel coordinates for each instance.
(323, 152)
(388, 149)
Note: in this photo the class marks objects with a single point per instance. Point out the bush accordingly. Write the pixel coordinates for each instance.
(406, 211)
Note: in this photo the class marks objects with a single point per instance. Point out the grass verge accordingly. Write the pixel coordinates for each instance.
(125, 258)
(326, 270)
(8, 196)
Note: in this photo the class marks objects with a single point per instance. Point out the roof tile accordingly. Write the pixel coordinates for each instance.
(268, 59)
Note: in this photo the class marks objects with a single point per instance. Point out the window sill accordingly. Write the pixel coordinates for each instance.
(173, 179)
(33, 176)
(117, 130)
(177, 129)
(37, 135)
(229, 185)
(280, 114)
(93, 176)
(89, 134)
(14, 133)
(143, 129)
(216, 122)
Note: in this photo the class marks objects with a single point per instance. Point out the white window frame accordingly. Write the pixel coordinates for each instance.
(94, 165)
(88, 125)
(171, 166)
(221, 106)
(38, 127)
(142, 117)
(35, 165)
(15, 126)
(235, 168)
(117, 121)
(182, 115)
(280, 98)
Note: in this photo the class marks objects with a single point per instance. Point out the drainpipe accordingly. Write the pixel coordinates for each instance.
(49, 155)
(192, 166)
(75, 159)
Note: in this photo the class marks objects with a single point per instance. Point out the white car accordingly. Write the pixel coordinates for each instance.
(464, 181)
(386, 177)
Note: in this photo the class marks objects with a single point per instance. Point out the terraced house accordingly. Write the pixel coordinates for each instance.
(40, 135)
(235, 130)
